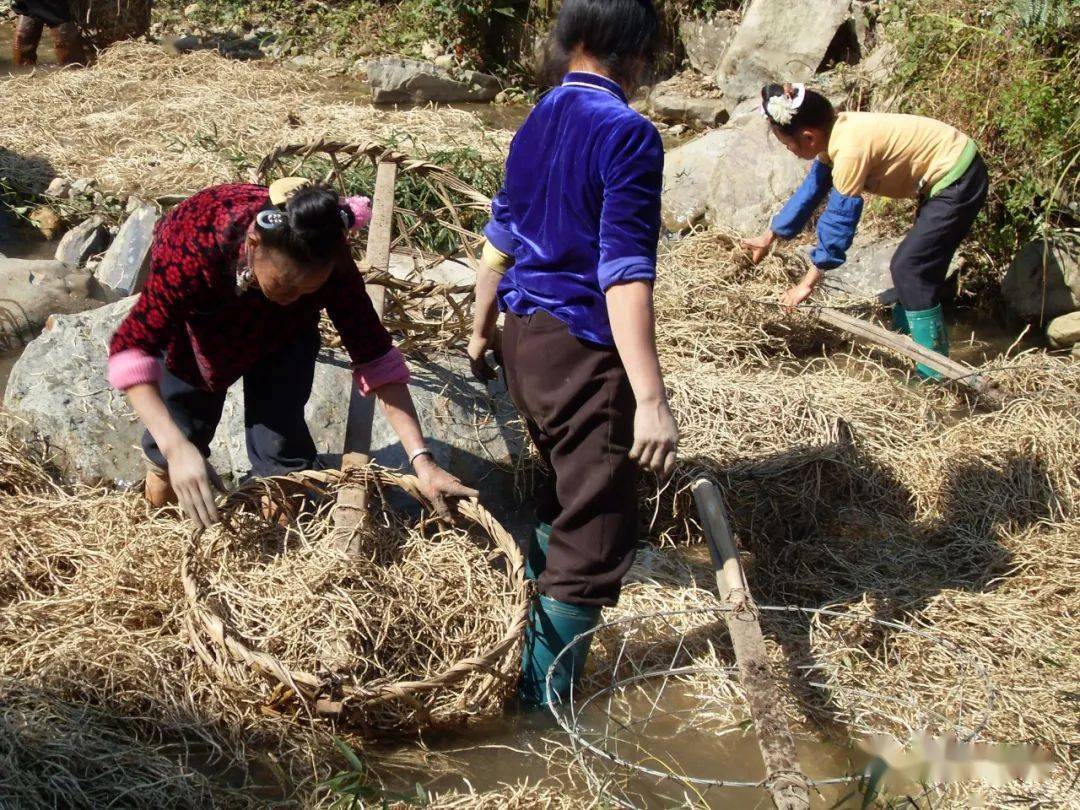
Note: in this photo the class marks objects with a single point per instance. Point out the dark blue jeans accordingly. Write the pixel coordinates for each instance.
(275, 393)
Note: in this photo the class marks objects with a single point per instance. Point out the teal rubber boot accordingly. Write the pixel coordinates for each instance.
(552, 626)
(928, 329)
(899, 319)
(536, 558)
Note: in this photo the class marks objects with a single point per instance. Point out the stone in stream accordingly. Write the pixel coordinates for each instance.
(123, 270)
(670, 101)
(1043, 281)
(406, 81)
(778, 42)
(32, 290)
(706, 39)
(83, 241)
(1064, 331)
(59, 386)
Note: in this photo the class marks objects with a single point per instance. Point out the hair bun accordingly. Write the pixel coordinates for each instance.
(313, 208)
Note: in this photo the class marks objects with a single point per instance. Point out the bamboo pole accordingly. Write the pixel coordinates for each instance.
(783, 778)
(352, 500)
(952, 370)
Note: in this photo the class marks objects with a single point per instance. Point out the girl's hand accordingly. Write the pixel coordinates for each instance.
(759, 246)
(193, 480)
(656, 437)
(481, 369)
(795, 296)
(438, 485)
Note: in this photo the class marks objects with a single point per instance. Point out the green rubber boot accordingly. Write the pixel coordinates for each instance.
(536, 558)
(928, 329)
(552, 626)
(899, 319)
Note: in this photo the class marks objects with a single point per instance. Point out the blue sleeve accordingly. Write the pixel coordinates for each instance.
(808, 196)
(632, 172)
(835, 230)
(498, 230)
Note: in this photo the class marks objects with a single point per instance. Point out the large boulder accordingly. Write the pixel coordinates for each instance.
(59, 387)
(753, 177)
(406, 81)
(778, 42)
(706, 39)
(687, 170)
(1043, 281)
(866, 273)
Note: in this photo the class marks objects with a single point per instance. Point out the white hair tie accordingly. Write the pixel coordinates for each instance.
(781, 109)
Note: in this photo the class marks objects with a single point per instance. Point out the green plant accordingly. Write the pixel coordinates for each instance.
(358, 786)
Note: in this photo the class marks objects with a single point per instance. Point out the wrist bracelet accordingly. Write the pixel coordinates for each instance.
(415, 454)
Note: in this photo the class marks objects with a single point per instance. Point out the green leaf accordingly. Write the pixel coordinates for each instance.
(350, 755)
(875, 770)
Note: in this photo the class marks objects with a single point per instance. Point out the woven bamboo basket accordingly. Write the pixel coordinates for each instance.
(379, 706)
(103, 22)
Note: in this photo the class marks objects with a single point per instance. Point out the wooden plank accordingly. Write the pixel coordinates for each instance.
(952, 370)
(352, 501)
(783, 778)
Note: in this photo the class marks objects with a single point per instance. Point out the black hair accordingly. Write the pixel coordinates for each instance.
(311, 231)
(815, 112)
(618, 33)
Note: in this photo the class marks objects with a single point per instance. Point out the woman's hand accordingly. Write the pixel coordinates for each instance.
(193, 480)
(438, 485)
(656, 437)
(759, 246)
(481, 369)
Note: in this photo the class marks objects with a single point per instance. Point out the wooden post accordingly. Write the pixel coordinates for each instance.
(783, 778)
(952, 370)
(352, 501)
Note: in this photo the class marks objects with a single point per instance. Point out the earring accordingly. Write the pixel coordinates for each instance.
(245, 280)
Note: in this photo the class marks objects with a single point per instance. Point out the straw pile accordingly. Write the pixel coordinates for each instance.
(145, 121)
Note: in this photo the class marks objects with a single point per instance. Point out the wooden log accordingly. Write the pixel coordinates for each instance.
(783, 778)
(952, 370)
(352, 500)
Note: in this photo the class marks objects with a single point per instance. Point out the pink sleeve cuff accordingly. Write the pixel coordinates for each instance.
(386, 370)
(132, 367)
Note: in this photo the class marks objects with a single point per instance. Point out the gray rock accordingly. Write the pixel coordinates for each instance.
(670, 104)
(445, 61)
(123, 270)
(866, 272)
(753, 176)
(32, 290)
(1043, 281)
(89, 237)
(59, 385)
(84, 185)
(706, 39)
(186, 44)
(777, 42)
(1064, 331)
(687, 170)
(79, 285)
(404, 81)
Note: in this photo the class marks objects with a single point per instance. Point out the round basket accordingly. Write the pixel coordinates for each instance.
(379, 705)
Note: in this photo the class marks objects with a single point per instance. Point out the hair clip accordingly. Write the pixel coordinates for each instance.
(781, 109)
(269, 219)
(356, 211)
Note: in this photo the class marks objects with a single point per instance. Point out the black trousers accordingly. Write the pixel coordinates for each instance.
(50, 12)
(579, 409)
(275, 393)
(922, 259)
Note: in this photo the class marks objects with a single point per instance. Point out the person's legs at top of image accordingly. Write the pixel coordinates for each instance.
(27, 36)
(921, 262)
(68, 43)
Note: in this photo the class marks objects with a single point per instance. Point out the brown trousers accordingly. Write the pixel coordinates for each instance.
(579, 408)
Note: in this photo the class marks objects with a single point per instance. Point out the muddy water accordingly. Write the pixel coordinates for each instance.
(46, 55)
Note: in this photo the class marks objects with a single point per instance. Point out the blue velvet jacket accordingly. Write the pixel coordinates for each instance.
(580, 208)
(837, 224)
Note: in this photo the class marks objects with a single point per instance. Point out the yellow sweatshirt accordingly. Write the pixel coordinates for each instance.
(894, 155)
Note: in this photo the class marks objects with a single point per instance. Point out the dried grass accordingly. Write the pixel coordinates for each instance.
(145, 121)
